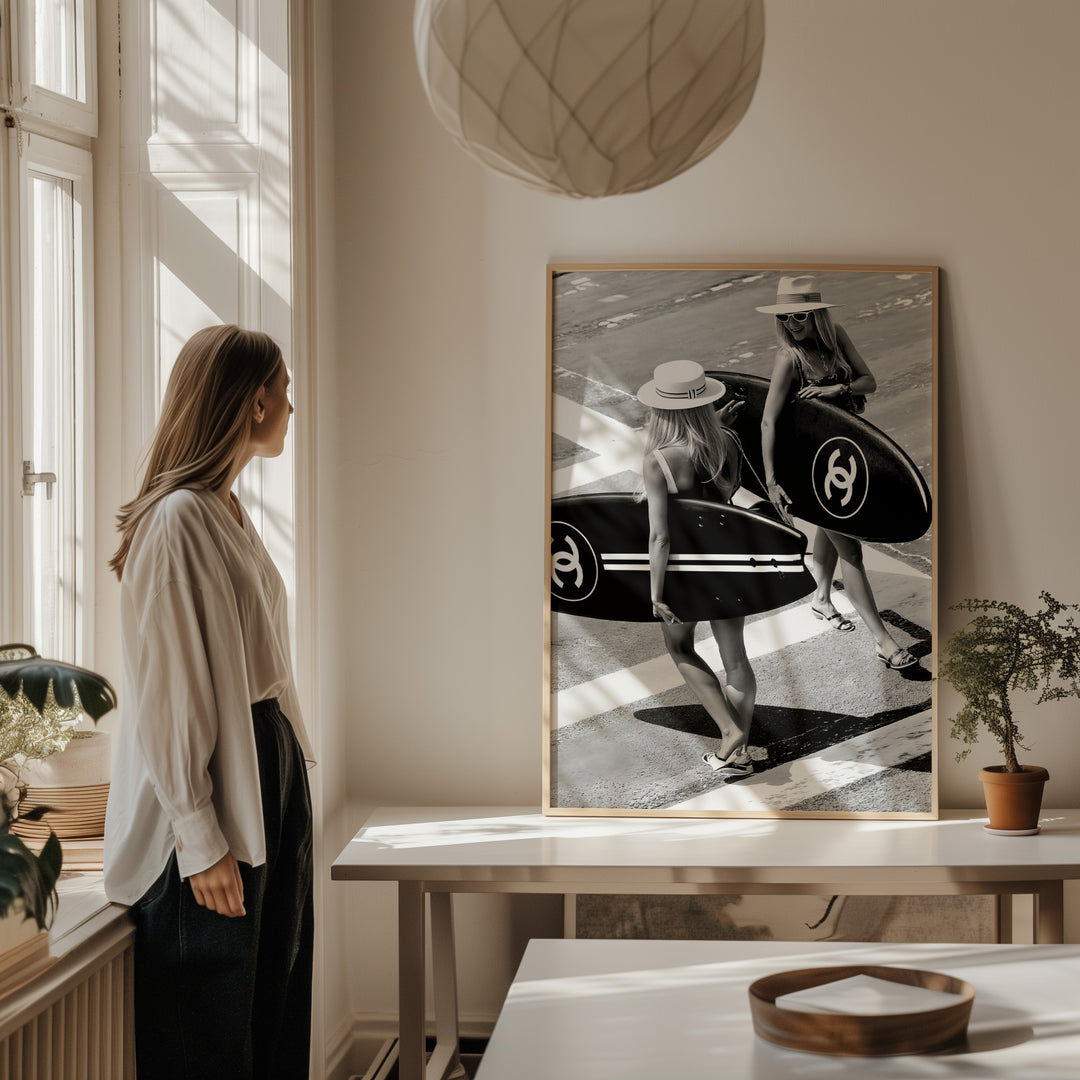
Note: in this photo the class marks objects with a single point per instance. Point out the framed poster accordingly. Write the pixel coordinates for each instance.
(741, 592)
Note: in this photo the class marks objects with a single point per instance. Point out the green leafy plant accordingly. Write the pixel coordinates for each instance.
(1006, 649)
(28, 877)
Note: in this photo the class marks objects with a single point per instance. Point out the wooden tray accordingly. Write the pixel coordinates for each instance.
(858, 1035)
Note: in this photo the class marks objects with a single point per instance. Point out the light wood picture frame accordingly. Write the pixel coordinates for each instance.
(841, 721)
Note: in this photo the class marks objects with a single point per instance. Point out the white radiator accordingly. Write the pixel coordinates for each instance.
(84, 1034)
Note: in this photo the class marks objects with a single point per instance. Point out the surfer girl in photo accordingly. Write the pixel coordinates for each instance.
(690, 452)
(817, 359)
(208, 833)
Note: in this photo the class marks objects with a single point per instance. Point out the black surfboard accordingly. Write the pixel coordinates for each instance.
(840, 471)
(724, 561)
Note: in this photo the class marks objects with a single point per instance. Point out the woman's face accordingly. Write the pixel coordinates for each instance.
(799, 326)
(268, 434)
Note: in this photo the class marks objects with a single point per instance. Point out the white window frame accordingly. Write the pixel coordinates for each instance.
(45, 156)
(42, 155)
(25, 97)
(10, 398)
(48, 133)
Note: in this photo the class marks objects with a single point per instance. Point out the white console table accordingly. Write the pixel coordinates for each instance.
(436, 851)
(631, 1010)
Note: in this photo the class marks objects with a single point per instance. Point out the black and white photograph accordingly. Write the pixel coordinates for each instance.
(741, 577)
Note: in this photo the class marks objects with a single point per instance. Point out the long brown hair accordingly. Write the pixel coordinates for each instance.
(204, 419)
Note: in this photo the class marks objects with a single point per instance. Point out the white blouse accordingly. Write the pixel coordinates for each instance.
(204, 635)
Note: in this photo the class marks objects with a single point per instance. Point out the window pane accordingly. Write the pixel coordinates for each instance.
(58, 35)
(51, 591)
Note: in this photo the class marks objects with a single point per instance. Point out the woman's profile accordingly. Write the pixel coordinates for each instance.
(817, 359)
(690, 452)
(208, 831)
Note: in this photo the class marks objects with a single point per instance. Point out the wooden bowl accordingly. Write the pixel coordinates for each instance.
(860, 1035)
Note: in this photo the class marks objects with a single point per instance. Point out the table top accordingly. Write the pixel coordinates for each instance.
(521, 845)
(634, 1009)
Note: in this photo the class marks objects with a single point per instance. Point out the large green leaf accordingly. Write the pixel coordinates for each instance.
(29, 877)
(34, 675)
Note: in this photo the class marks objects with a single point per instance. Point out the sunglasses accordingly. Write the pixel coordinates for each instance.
(798, 316)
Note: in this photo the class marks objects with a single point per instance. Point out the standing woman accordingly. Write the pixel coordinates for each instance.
(208, 833)
(690, 452)
(817, 359)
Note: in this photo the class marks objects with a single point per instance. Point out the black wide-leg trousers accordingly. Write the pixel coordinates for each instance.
(217, 997)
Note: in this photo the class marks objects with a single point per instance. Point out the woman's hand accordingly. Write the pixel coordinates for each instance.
(662, 612)
(779, 498)
(220, 887)
(729, 413)
(834, 391)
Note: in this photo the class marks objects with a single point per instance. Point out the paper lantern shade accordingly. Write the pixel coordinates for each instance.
(589, 98)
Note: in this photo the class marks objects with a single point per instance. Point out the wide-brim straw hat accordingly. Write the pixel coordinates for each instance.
(680, 384)
(796, 294)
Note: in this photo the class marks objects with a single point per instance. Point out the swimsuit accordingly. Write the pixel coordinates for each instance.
(716, 490)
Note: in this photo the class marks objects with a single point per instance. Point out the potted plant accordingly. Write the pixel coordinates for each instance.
(40, 701)
(1003, 650)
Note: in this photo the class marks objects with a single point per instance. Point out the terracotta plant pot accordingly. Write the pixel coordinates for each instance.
(1013, 800)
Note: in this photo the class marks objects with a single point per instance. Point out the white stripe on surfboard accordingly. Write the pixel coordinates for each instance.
(716, 568)
(727, 556)
(833, 767)
(655, 676)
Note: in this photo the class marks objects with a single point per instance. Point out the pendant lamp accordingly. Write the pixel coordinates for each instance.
(589, 98)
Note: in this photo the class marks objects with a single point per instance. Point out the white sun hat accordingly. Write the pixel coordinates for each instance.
(680, 384)
(796, 294)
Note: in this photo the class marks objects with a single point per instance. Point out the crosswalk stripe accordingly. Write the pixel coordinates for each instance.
(832, 768)
(619, 448)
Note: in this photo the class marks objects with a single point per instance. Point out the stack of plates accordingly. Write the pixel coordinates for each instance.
(76, 812)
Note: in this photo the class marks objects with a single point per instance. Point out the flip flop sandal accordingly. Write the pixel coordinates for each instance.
(835, 620)
(726, 767)
(899, 660)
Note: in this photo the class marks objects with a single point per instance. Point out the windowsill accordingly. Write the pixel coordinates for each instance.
(82, 899)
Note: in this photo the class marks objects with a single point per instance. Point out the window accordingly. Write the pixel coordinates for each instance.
(52, 51)
(55, 366)
(46, 342)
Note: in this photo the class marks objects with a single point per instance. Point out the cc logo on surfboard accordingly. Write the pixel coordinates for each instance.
(575, 568)
(840, 477)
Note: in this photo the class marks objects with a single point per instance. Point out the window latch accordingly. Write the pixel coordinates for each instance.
(30, 479)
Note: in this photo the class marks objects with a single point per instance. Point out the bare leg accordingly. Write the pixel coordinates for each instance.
(857, 586)
(824, 570)
(741, 682)
(702, 680)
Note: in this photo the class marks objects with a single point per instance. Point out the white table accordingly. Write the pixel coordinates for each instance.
(594, 1010)
(436, 851)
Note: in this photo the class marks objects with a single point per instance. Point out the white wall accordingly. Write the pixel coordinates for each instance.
(917, 132)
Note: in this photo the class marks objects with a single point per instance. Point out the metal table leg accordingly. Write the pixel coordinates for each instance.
(445, 1062)
(1005, 918)
(1050, 913)
(411, 978)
